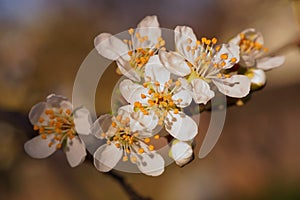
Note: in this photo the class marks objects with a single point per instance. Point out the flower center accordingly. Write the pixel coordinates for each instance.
(58, 122)
(207, 65)
(127, 140)
(250, 45)
(139, 55)
(160, 100)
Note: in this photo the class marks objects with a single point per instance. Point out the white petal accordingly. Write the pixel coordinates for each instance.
(256, 76)
(127, 70)
(182, 35)
(181, 126)
(155, 70)
(201, 91)
(55, 100)
(75, 151)
(66, 105)
(110, 47)
(185, 96)
(38, 147)
(268, 63)
(232, 51)
(139, 121)
(174, 62)
(36, 112)
(101, 125)
(83, 121)
(150, 163)
(106, 157)
(149, 27)
(181, 152)
(132, 91)
(237, 86)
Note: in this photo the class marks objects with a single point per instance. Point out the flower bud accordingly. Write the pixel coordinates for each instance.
(257, 77)
(181, 152)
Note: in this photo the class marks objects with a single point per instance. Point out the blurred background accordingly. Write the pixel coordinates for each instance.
(43, 43)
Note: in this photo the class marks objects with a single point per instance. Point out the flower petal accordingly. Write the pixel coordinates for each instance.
(102, 124)
(181, 126)
(127, 70)
(268, 63)
(106, 157)
(55, 100)
(149, 27)
(184, 37)
(185, 96)
(38, 147)
(139, 121)
(233, 54)
(181, 152)
(155, 70)
(150, 162)
(132, 91)
(237, 86)
(83, 121)
(36, 112)
(75, 151)
(201, 91)
(110, 47)
(174, 62)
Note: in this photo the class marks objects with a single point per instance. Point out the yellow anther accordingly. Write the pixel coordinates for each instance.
(219, 75)
(223, 64)
(143, 96)
(68, 111)
(137, 104)
(242, 35)
(130, 53)
(177, 83)
(44, 136)
(49, 112)
(207, 42)
(147, 140)
(198, 42)
(36, 127)
(176, 111)
(125, 158)
(156, 137)
(233, 60)
(133, 159)
(130, 31)
(145, 85)
(188, 48)
(157, 83)
(218, 48)
(117, 145)
(151, 147)
(58, 146)
(224, 56)
(203, 39)
(103, 134)
(227, 75)
(127, 151)
(239, 102)
(141, 150)
(41, 130)
(113, 124)
(214, 40)
(50, 144)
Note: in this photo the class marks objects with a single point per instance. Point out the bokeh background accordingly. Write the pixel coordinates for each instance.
(43, 43)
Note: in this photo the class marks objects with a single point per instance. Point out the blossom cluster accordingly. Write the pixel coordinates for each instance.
(159, 85)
